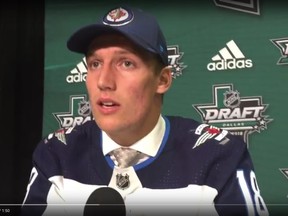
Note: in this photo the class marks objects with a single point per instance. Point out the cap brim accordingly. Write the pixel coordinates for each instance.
(81, 39)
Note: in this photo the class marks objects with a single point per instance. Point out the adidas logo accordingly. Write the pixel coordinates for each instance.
(230, 57)
(79, 73)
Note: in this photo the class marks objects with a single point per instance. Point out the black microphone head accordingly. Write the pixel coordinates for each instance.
(105, 201)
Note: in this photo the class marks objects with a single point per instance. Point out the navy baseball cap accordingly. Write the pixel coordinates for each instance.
(140, 27)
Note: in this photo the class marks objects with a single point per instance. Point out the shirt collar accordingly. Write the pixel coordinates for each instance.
(148, 145)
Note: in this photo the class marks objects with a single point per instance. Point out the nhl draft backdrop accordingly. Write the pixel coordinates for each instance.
(230, 66)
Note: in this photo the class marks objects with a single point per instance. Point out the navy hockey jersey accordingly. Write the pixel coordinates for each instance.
(198, 170)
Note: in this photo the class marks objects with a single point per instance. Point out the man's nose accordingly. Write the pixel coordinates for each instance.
(106, 79)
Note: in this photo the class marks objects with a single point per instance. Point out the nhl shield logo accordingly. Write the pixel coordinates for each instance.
(231, 99)
(122, 181)
(84, 108)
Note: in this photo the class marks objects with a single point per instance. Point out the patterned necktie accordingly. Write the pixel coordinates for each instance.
(126, 156)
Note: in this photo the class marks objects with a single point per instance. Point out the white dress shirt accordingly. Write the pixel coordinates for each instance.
(149, 145)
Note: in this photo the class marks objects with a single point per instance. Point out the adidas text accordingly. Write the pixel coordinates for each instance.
(77, 78)
(230, 64)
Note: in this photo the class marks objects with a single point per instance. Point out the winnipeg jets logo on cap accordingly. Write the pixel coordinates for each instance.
(118, 17)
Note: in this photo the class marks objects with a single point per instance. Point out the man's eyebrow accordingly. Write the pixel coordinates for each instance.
(127, 51)
(124, 51)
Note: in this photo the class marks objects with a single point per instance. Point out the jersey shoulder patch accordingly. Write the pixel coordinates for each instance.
(59, 134)
(207, 132)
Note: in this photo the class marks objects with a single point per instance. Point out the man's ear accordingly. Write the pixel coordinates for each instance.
(165, 80)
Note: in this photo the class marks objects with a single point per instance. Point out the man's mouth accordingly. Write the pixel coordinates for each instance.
(107, 104)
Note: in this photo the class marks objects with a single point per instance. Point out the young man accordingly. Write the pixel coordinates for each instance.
(182, 167)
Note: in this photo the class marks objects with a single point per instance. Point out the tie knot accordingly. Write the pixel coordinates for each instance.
(126, 156)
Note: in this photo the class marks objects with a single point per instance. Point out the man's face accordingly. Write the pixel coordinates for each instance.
(123, 89)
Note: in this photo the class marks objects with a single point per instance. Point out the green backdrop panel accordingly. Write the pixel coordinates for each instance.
(229, 65)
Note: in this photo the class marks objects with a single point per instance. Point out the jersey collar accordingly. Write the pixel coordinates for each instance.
(148, 145)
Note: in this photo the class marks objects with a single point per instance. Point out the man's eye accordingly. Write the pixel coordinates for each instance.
(94, 64)
(127, 63)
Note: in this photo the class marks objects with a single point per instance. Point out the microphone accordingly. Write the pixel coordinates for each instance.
(105, 201)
